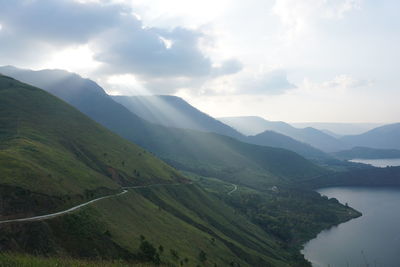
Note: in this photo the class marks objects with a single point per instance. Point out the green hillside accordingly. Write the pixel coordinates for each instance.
(207, 154)
(53, 155)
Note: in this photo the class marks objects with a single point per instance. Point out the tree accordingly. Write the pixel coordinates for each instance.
(174, 254)
(202, 256)
(148, 252)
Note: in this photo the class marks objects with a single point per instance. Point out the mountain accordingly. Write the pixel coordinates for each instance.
(207, 154)
(384, 137)
(175, 112)
(338, 128)
(53, 156)
(172, 111)
(328, 132)
(367, 153)
(311, 136)
(271, 138)
(248, 125)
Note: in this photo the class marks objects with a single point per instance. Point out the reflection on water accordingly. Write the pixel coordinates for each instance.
(378, 162)
(370, 240)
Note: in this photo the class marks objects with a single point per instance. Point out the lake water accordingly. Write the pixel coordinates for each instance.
(378, 162)
(370, 240)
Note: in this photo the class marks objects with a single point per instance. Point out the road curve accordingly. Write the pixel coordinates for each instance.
(56, 214)
(235, 187)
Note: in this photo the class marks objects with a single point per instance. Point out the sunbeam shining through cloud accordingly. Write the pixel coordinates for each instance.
(263, 58)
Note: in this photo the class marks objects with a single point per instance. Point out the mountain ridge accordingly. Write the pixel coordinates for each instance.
(309, 135)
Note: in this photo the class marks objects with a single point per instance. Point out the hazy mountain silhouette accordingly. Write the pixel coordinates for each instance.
(311, 136)
(385, 137)
(173, 111)
(271, 138)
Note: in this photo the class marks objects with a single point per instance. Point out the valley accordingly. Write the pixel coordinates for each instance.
(199, 133)
(239, 203)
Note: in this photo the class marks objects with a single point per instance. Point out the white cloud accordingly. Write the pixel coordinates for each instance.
(339, 83)
(299, 17)
(107, 38)
(273, 82)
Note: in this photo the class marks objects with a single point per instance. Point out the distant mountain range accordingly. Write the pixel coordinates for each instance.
(311, 136)
(384, 137)
(173, 111)
(338, 129)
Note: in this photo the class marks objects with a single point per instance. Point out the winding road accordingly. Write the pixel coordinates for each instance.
(56, 214)
(235, 187)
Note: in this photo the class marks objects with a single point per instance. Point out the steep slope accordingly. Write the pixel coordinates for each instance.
(384, 137)
(204, 153)
(312, 136)
(175, 224)
(50, 151)
(52, 156)
(367, 153)
(173, 111)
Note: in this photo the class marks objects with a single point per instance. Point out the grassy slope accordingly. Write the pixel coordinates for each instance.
(24, 260)
(47, 147)
(293, 216)
(183, 218)
(190, 220)
(42, 151)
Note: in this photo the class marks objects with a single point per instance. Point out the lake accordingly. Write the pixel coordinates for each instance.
(378, 162)
(370, 240)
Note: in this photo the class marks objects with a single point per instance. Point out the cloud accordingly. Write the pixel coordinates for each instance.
(58, 22)
(32, 30)
(35, 30)
(132, 48)
(227, 67)
(340, 82)
(299, 17)
(268, 83)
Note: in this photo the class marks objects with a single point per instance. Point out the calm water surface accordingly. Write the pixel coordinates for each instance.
(370, 240)
(378, 162)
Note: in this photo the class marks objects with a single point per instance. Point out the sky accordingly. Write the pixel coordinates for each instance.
(289, 60)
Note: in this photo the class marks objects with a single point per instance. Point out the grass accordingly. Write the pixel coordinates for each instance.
(190, 221)
(47, 147)
(52, 156)
(24, 260)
